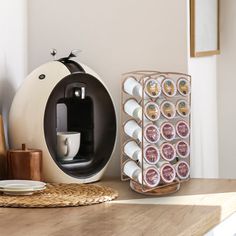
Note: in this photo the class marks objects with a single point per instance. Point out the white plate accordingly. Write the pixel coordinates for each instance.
(21, 185)
(20, 191)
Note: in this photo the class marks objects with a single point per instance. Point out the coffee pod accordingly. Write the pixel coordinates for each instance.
(182, 149)
(183, 86)
(132, 170)
(168, 87)
(168, 109)
(132, 87)
(168, 131)
(151, 133)
(133, 130)
(183, 108)
(182, 129)
(152, 88)
(151, 154)
(168, 152)
(151, 176)
(152, 111)
(132, 150)
(132, 108)
(182, 170)
(168, 173)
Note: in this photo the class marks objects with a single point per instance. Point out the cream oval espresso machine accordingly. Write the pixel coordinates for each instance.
(64, 96)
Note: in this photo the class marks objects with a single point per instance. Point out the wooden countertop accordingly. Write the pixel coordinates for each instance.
(198, 206)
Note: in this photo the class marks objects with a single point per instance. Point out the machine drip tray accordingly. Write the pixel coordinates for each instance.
(76, 162)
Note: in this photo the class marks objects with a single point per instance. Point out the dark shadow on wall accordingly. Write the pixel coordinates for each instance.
(7, 92)
(8, 95)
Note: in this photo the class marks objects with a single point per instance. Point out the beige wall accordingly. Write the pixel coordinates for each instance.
(226, 90)
(116, 36)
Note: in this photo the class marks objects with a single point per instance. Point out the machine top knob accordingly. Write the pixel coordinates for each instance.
(53, 52)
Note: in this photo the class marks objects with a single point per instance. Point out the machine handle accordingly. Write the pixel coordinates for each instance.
(67, 143)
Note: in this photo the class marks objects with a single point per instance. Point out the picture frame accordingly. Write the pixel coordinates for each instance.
(204, 28)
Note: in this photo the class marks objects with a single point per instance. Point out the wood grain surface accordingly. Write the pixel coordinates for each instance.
(199, 205)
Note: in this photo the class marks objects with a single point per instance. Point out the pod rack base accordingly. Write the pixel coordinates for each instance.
(159, 191)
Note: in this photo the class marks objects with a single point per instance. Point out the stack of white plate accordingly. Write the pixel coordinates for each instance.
(21, 187)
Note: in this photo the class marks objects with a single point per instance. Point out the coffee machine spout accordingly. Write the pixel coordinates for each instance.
(79, 92)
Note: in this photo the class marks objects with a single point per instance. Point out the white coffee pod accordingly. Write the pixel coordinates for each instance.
(168, 152)
(183, 86)
(182, 129)
(152, 111)
(151, 176)
(133, 130)
(168, 109)
(168, 131)
(129, 84)
(183, 108)
(152, 88)
(182, 170)
(168, 173)
(182, 149)
(151, 133)
(168, 87)
(133, 87)
(132, 150)
(132, 170)
(132, 108)
(151, 154)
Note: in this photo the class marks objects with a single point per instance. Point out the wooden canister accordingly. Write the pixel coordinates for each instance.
(24, 164)
(3, 151)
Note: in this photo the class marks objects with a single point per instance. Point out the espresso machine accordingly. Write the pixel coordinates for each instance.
(65, 96)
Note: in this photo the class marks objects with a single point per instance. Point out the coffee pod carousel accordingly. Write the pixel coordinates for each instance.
(64, 109)
(155, 140)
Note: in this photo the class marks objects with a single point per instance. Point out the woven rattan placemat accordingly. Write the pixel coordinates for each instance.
(62, 195)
